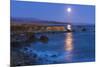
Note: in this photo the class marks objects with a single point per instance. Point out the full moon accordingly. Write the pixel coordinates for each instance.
(69, 9)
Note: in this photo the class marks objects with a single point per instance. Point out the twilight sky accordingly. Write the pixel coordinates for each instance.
(53, 12)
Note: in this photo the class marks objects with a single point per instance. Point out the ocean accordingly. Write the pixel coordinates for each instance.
(67, 47)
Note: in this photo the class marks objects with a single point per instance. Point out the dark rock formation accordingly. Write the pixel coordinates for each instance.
(44, 38)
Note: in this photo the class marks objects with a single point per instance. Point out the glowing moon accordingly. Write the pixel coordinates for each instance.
(69, 27)
(69, 9)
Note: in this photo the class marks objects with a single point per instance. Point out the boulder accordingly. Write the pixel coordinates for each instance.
(43, 38)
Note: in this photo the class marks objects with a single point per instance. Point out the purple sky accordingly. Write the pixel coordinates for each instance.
(53, 12)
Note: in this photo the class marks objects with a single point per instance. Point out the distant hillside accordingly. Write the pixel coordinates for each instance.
(35, 21)
(42, 22)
